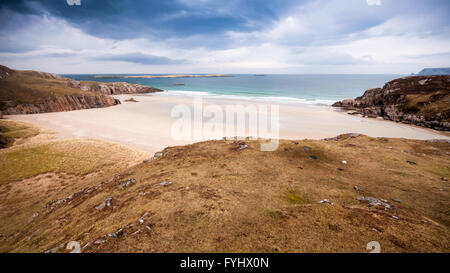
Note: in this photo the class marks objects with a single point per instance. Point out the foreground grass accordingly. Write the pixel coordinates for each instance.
(223, 199)
(15, 132)
(77, 157)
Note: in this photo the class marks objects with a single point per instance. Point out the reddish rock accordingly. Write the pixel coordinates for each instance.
(419, 100)
(63, 103)
(114, 88)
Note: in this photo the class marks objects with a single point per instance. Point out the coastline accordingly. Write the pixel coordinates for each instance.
(162, 76)
(146, 125)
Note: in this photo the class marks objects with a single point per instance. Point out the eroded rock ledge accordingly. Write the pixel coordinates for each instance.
(32, 92)
(63, 103)
(418, 100)
(114, 88)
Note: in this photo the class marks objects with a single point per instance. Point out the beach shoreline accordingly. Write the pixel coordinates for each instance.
(146, 125)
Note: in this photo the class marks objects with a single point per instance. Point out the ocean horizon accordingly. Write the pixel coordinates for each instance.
(319, 89)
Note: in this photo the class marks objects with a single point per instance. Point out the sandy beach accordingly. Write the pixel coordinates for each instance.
(146, 125)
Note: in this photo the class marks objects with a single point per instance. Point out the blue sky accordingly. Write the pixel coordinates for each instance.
(233, 36)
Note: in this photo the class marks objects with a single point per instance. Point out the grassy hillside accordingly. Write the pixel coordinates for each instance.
(15, 132)
(215, 197)
(18, 87)
(430, 105)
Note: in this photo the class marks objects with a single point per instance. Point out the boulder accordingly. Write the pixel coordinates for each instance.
(374, 201)
(106, 203)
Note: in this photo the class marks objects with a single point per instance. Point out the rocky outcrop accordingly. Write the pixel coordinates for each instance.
(418, 100)
(114, 88)
(31, 92)
(62, 103)
(5, 72)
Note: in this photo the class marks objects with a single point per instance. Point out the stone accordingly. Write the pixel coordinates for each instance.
(373, 201)
(395, 217)
(306, 148)
(120, 233)
(55, 249)
(340, 169)
(444, 178)
(377, 229)
(397, 200)
(158, 155)
(356, 188)
(439, 140)
(99, 242)
(325, 201)
(313, 157)
(243, 146)
(106, 203)
(142, 218)
(411, 162)
(165, 184)
(127, 183)
(344, 162)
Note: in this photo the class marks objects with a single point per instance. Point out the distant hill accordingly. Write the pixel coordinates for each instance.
(31, 92)
(434, 71)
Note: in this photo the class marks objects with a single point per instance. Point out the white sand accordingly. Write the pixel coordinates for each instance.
(146, 125)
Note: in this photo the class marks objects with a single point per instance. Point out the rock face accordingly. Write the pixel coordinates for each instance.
(418, 100)
(63, 103)
(5, 72)
(114, 88)
(32, 92)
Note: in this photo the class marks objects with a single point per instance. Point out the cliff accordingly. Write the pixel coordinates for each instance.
(30, 92)
(61, 104)
(418, 100)
(114, 88)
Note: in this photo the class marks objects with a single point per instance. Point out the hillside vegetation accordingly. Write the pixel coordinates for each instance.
(30, 87)
(228, 196)
(32, 92)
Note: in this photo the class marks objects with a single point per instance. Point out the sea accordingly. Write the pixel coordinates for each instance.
(308, 89)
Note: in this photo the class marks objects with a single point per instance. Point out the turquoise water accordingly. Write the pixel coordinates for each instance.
(312, 89)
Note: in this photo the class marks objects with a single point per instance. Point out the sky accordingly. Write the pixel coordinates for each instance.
(232, 36)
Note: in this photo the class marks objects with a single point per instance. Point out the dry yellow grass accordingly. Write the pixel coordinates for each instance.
(12, 132)
(223, 199)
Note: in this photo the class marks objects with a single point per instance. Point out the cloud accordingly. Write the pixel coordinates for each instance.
(205, 36)
(138, 58)
(373, 2)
